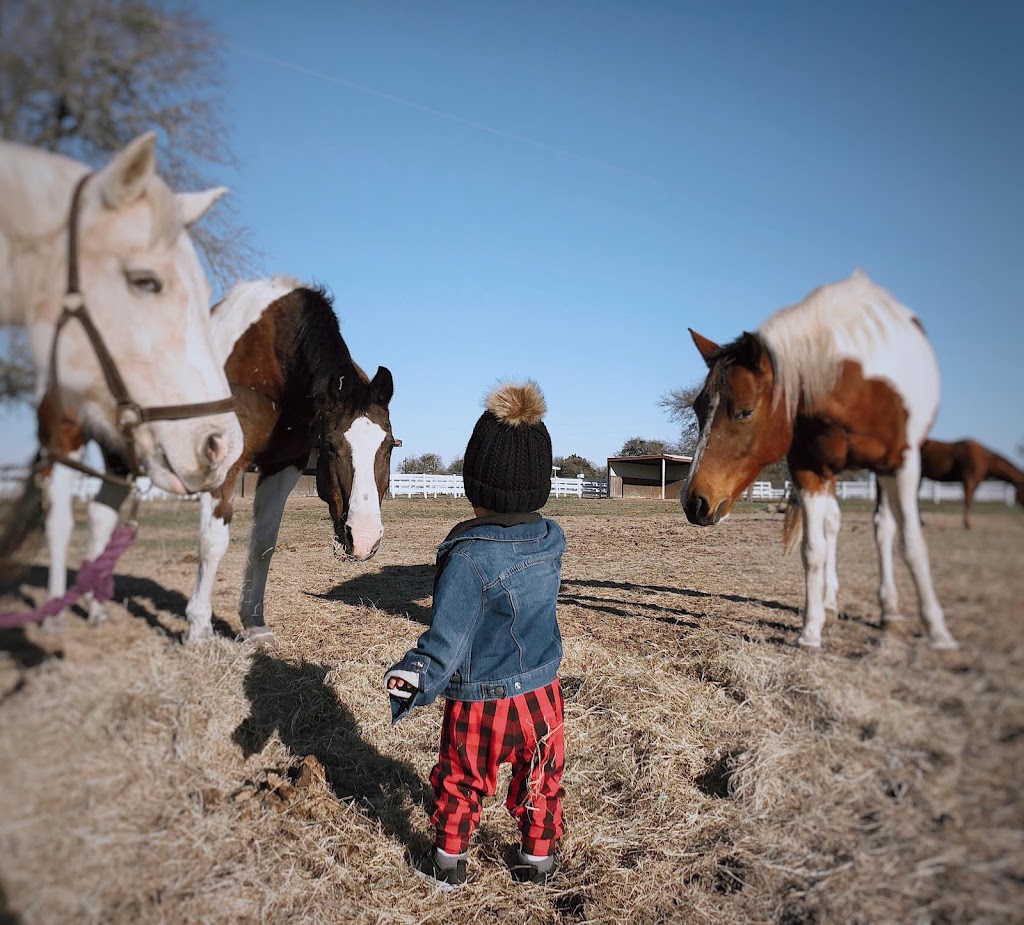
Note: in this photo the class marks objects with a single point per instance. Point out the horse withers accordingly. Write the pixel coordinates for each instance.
(111, 248)
(297, 390)
(844, 379)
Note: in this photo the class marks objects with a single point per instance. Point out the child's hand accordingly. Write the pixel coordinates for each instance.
(400, 684)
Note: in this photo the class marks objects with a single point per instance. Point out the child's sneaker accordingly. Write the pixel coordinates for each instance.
(444, 876)
(525, 870)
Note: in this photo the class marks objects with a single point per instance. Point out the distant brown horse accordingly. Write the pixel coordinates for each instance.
(844, 379)
(970, 463)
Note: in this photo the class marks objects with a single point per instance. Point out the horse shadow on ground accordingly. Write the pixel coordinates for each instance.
(294, 701)
(142, 597)
(675, 614)
(395, 590)
(7, 915)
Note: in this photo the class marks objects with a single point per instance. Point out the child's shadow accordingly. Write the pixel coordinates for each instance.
(293, 701)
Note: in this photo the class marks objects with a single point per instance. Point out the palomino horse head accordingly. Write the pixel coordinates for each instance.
(147, 295)
(744, 426)
(354, 463)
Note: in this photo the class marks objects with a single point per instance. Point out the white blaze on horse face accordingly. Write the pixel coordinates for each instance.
(702, 442)
(364, 438)
(145, 289)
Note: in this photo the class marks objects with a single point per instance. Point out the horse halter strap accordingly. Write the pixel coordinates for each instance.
(129, 414)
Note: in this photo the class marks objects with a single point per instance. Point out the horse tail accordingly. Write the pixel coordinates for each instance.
(793, 525)
(22, 521)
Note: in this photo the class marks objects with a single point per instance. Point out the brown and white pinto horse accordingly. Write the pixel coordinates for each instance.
(844, 379)
(297, 388)
(970, 463)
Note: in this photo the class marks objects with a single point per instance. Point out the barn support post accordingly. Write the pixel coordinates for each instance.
(662, 478)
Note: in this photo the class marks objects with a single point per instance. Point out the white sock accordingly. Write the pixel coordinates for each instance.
(540, 861)
(448, 861)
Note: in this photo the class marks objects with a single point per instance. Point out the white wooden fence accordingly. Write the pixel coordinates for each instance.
(430, 486)
(936, 492)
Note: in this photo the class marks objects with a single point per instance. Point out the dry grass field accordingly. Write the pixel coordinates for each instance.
(715, 773)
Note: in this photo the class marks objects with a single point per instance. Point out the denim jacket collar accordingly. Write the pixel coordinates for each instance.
(497, 520)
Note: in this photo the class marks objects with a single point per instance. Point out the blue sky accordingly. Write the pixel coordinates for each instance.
(558, 190)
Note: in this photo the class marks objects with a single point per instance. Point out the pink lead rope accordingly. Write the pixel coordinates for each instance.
(95, 576)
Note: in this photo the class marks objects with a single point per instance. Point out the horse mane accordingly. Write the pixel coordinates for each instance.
(323, 355)
(807, 341)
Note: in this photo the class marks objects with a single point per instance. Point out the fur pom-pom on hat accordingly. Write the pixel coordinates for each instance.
(517, 404)
(507, 467)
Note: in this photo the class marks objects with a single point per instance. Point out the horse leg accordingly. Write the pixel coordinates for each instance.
(885, 537)
(915, 552)
(103, 516)
(832, 522)
(969, 486)
(814, 551)
(214, 537)
(268, 505)
(58, 525)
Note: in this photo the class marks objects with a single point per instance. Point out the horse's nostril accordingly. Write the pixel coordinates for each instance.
(215, 448)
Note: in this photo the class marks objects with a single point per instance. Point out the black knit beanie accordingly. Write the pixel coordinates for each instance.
(507, 467)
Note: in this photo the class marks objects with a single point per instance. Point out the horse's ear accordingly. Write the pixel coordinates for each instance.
(706, 347)
(383, 386)
(750, 351)
(192, 206)
(127, 175)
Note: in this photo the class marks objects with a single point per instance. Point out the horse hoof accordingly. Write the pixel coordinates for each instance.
(809, 645)
(98, 614)
(261, 637)
(953, 659)
(51, 626)
(197, 636)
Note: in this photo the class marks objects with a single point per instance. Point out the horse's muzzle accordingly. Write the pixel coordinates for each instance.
(698, 510)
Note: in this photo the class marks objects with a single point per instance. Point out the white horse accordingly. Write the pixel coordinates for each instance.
(127, 253)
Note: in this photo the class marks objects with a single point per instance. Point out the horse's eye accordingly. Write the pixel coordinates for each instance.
(144, 281)
(744, 414)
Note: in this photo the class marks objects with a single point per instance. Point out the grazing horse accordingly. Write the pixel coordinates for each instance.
(297, 389)
(844, 379)
(101, 271)
(970, 463)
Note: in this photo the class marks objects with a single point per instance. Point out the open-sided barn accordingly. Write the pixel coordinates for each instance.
(647, 476)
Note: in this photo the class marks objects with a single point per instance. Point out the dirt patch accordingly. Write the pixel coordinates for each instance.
(715, 773)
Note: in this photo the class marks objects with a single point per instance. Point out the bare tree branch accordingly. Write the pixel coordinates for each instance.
(85, 78)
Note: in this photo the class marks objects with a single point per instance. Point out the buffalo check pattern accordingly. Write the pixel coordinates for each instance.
(477, 737)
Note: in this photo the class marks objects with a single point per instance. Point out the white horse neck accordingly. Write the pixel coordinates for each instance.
(35, 196)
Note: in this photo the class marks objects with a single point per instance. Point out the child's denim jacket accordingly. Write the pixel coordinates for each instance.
(493, 630)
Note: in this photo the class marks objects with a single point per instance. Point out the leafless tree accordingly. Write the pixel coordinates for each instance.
(84, 78)
(678, 404)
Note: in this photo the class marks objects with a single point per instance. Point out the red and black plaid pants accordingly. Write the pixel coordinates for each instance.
(479, 736)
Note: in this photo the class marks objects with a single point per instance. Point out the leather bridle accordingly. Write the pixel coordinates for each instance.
(130, 414)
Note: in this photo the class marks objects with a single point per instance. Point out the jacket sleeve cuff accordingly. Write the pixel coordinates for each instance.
(412, 668)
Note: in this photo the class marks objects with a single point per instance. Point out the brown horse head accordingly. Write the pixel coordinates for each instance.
(744, 426)
(354, 463)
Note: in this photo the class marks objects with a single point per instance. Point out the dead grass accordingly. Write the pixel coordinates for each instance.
(715, 773)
